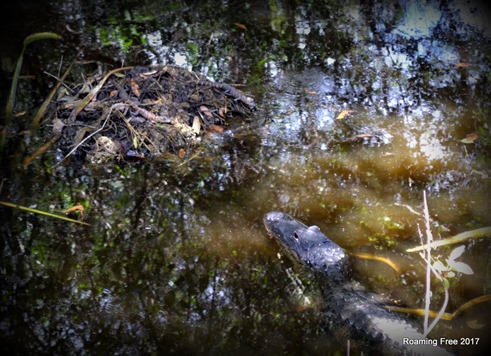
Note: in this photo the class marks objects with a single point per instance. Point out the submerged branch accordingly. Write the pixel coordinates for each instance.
(463, 236)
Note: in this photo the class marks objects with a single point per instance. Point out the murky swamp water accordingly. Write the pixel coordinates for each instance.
(176, 259)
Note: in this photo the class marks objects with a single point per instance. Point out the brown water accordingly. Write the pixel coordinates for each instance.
(176, 258)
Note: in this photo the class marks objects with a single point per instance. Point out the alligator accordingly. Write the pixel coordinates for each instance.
(350, 311)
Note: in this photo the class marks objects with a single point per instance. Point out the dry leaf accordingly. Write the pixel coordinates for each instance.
(310, 91)
(106, 144)
(77, 208)
(357, 137)
(196, 125)
(463, 65)
(181, 153)
(147, 74)
(216, 128)
(135, 88)
(240, 25)
(206, 111)
(470, 138)
(58, 126)
(344, 113)
(20, 113)
(222, 112)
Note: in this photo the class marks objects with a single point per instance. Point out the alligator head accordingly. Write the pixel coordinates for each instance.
(307, 245)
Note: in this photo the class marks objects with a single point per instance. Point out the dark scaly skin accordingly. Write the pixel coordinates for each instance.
(351, 313)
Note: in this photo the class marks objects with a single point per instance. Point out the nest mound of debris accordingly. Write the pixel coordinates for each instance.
(135, 112)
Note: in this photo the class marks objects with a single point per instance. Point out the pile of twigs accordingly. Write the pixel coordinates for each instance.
(134, 112)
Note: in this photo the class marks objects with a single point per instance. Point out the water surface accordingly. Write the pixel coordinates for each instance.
(176, 258)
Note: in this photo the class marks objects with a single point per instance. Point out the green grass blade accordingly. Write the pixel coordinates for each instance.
(13, 88)
(41, 36)
(35, 211)
(15, 79)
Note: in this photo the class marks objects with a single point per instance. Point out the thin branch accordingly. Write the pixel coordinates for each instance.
(426, 255)
(429, 238)
(442, 309)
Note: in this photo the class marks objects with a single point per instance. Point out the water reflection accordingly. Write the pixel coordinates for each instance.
(177, 259)
(420, 20)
